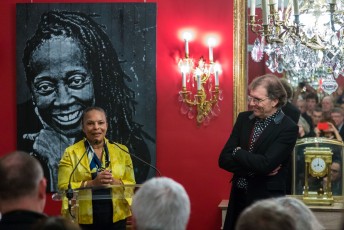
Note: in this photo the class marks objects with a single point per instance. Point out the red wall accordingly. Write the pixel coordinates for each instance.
(185, 152)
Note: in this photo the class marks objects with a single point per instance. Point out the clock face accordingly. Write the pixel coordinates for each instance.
(318, 165)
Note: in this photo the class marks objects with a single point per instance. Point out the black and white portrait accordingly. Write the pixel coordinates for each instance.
(72, 56)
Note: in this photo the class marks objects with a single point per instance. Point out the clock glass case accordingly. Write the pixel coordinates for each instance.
(317, 169)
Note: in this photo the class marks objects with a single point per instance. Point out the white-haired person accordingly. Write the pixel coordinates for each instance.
(161, 204)
(304, 217)
(266, 215)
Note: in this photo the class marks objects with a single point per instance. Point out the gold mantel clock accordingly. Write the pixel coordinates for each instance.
(318, 162)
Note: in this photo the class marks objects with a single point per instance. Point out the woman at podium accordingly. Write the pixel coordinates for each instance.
(96, 168)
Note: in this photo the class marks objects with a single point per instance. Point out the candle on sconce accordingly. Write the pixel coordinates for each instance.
(199, 80)
(253, 8)
(265, 12)
(216, 78)
(186, 48)
(183, 80)
(296, 7)
(184, 69)
(216, 70)
(187, 37)
(282, 8)
(211, 56)
(211, 42)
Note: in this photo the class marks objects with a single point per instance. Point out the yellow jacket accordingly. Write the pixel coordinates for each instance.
(121, 167)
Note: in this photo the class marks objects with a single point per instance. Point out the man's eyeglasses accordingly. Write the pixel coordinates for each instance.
(255, 101)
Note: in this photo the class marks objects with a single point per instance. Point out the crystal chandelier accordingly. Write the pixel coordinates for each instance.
(302, 38)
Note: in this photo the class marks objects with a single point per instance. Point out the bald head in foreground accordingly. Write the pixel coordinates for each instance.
(22, 191)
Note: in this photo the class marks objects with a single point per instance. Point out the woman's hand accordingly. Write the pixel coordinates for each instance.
(105, 178)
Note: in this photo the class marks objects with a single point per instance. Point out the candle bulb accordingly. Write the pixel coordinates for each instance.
(253, 8)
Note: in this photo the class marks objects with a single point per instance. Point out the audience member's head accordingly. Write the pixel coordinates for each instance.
(317, 115)
(161, 204)
(55, 223)
(311, 101)
(304, 217)
(304, 128)
(336, 171)
(266, 215)
(327, 104)
(337, 115)
(301, 105)
(22, 184)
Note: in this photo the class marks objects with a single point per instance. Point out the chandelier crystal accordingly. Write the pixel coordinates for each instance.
(302, 38)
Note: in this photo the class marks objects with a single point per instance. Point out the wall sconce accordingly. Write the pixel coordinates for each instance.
(200, 92)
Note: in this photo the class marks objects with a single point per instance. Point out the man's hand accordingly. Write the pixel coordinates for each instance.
(275, 171)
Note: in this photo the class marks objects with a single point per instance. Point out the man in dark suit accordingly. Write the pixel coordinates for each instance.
(289, 109)
(258, 149)
(337, 115)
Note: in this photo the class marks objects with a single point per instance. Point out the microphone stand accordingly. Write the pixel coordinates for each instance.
(69, 191)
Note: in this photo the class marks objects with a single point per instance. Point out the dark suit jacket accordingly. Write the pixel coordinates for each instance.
(273, 148)
(20, 219)
(291, 111)
(341, 132)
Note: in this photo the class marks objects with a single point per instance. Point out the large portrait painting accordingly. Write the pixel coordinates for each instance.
(72, 56)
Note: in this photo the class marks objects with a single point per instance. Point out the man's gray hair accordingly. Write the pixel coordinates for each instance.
(161, 204)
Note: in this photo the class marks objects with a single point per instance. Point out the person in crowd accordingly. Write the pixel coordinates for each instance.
(294, 114)
(161, 204)
(266, 215)
(337, 115)
(312, 101)
(304, 128)
(289, 109)
(259, 148)
(317, 116)
(326, 128)
(336, 178)
(96, 162)
(327, 105)
(55, 223)
(304, 218)
(70, 64)
(301, 105)
(22, 191)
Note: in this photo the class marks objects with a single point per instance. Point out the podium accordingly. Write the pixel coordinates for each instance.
(77, 207)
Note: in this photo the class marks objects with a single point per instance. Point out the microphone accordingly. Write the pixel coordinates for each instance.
(136, 157)
(69, 191)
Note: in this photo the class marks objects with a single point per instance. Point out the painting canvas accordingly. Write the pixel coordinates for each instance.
(117, 44)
